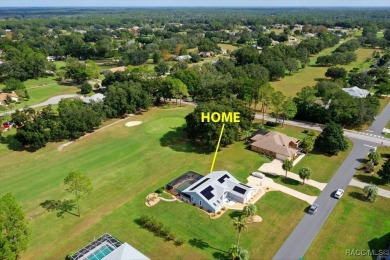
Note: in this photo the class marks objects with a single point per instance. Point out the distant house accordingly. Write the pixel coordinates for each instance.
(5, 96)
(356, 92)
(276, 145)
(80, 31)
(310, 35)
(215, 190)
(223, 51)
(51, 58)
(8, 30)
(96, 98)
(258, 47)
(108, 247)
(183, 57)
(292, 39)
(274, 43)
(206, 54)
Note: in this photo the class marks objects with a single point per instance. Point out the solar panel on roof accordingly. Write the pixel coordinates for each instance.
(239, 190)
(207, 192)
(222, 179)
(200, 183)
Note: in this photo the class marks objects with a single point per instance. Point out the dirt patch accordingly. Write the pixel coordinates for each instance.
(62, 146)
(133, 123)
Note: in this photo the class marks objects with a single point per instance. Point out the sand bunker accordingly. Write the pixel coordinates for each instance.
(254, 219)
(152, 199)
(133, 123)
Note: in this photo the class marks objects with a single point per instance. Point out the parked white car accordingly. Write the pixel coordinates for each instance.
(258, 175)
(339, 193)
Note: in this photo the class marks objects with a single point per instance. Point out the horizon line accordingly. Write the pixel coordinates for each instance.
(203, 6)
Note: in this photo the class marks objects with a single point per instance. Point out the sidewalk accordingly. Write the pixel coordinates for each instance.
(275, 168)
(381, 192)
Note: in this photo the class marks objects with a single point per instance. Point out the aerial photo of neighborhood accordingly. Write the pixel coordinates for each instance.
(194, 129)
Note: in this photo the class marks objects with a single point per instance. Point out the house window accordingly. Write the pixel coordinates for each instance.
(200, 203)
(192, 198)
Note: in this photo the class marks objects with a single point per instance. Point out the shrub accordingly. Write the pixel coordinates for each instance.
(272, 124)
(219, 213)
(86, 88)
(160, 190)
(223, 208)
(179, 242)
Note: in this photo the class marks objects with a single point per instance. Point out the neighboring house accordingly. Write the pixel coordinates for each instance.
(223, 51)
(276, 145)
(108, 247)
(257, 47)
(96, 98)
(215, 190)
(183, 57)
(310, 35)
(4, 97)
(206, 54)
(356, 92)
(80, 31)
(292, 39)
(51, 58)
(274, 43)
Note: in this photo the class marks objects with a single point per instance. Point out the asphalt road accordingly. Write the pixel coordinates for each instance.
(303, 235)
(305, 232)
(51, 101)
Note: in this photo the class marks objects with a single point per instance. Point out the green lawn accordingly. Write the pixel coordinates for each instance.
(323, 166)
(308, 76)
(125, 164)
(227, 46)
(354, 224)
(374, 178)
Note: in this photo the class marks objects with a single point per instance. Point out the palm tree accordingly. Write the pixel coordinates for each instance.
(240, 224)
(304, 173)
(238, 253)
(374, 157)
(287, 166)
(246, 134)
(372, 192)
(249, 210)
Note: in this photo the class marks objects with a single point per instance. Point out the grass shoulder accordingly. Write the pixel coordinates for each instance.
(354, 224)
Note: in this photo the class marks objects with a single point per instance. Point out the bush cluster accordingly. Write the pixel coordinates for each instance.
(158, 228)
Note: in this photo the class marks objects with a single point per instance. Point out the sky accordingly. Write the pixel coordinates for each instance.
(222, 3)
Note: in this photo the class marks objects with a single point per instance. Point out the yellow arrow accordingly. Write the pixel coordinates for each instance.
(216, 150)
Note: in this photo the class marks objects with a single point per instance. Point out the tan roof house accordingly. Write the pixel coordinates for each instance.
(4, 97)
(276, 145)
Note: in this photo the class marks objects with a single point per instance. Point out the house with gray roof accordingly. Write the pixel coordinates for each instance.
(96, 98)
(216, 189)
(356, 92)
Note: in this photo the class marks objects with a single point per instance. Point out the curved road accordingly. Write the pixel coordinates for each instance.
(51, 101)
(305, 232)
